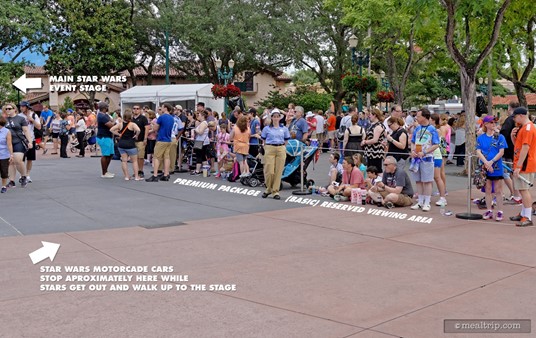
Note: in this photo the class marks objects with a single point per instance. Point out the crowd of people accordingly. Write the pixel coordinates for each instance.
(368, 150)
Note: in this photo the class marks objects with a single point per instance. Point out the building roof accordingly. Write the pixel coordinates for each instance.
(505, 100)
(35, 70)
(158, 71)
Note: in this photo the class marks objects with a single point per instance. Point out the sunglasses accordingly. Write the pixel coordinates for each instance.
(9, 108)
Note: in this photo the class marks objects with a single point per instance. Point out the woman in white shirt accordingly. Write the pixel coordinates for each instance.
(80, 134)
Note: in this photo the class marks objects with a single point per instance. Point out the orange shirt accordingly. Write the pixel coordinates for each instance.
(241, 141)
(526, 135)
(332, 120)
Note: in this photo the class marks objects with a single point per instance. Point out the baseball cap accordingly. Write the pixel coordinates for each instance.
(520, 111)
(25, 104)
(275, 111)
(488, 118)
(179, 107)
(70, 110)
(103, 105)
(252, 111)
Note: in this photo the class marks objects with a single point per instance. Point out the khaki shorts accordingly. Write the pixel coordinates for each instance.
(332, 134)
(141, 149)
(521, 185)
(402, 201)
(161, 150)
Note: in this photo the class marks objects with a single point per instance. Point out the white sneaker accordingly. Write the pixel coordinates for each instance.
(28, 179)
(415, 207)
(441, 201)
(111, 174)
(426, 207)
(107, 175)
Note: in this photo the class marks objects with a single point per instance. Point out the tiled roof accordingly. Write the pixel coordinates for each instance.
(34, 95)
(157, 72)
(500, 100)
(284, 78)
(32, 70)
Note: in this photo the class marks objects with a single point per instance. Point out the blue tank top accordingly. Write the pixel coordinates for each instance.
(4, 151)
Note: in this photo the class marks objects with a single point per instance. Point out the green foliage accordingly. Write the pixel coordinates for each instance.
(67, 104)
(304, 77)
(309, 100)
(94, 37)
(354, 83)
(532, 79)
(9, 73)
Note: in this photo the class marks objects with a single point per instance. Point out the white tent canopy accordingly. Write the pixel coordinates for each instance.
(175, 94)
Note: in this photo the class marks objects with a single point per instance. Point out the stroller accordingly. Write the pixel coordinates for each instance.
(257, 173)
(90, 139)
(291, 171)
(189, 154)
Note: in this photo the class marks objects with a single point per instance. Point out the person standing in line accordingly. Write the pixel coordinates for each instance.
(127, 133)
(424, 141)
(105, 138)
(506, 131)
(524, 140)
(374, 140)
(6, 153)
(81, 134)
(46, 117)
(275, 138)
(490, 149)
(240, 135)
(164, 128)
(141, 142)
(65, 127)
(33, 122)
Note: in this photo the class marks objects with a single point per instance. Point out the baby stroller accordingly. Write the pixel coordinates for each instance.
(89, 139)
(189, 154)
(291, 172)
(257, 173)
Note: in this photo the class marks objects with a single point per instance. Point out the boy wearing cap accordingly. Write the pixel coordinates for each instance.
(524, 139)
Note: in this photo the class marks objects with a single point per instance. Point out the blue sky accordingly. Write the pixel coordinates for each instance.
(32, 57)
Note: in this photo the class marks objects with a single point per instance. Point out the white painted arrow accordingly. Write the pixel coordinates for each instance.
(49, 250)
(24, 83)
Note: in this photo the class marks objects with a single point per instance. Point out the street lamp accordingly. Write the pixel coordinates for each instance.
(358, 59)
(226, 75)
(385, 85)
(483, 85)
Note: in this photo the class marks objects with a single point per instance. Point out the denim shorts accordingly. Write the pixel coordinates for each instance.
(129, 152)
(438, 162)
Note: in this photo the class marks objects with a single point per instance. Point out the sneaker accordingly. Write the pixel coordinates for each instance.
(28, 179)
(4, 190)
(152, 179)
(389, 205)
(426, 207)
(515, 200)
(416, 207)
(141, 174)
(164, 178)
(516, 218)
(195, 173)
(23, 182)
(11, 184)
(499, 216)
(488, 215)
(107, 175)
(441, 201)
(524, 222)
(111, 174)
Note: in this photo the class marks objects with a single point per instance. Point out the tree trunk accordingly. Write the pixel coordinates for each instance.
(469, 104)
(518, 86)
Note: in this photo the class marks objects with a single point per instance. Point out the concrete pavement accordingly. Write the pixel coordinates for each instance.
(299, 271)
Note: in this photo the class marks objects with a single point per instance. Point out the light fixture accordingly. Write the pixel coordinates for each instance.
(218, 63)
(352, 41)
(382, 74)
(231, 63)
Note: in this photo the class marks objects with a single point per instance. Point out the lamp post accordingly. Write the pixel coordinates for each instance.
(226, 75)
(385, 85)
(483, 85)
(360, 60)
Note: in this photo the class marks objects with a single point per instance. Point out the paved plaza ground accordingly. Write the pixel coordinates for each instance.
(270, 268)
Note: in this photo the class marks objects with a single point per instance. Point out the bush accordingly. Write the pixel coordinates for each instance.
(309, 100)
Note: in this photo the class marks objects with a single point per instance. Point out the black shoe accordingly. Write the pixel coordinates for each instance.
(79, 155)
(23, 182)
(195, 173)
(164, 178)
(11, 184)
(277, 197)
(152, 179)
(141, 174)
(516, 218)
(265, 194)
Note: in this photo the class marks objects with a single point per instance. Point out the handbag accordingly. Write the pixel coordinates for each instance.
(198, 144)
(479, 177)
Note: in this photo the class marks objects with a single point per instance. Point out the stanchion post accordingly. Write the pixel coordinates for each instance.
(301, 191)
(180, 157)
(468, 215)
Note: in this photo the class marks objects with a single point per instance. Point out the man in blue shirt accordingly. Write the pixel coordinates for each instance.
(299, 128)
(255, 128)
(164, 128)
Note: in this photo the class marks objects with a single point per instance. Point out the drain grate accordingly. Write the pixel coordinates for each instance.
(158, 226)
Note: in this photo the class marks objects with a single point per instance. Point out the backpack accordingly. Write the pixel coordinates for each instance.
(340, 132)
(235, 173)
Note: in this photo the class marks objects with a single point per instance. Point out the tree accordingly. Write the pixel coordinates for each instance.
(9, 72)
(515, 50)
(474, 18)
(304, 77)
(23, 26)
(91, 37)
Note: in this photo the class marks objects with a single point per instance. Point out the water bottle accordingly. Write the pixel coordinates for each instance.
(442, 209)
